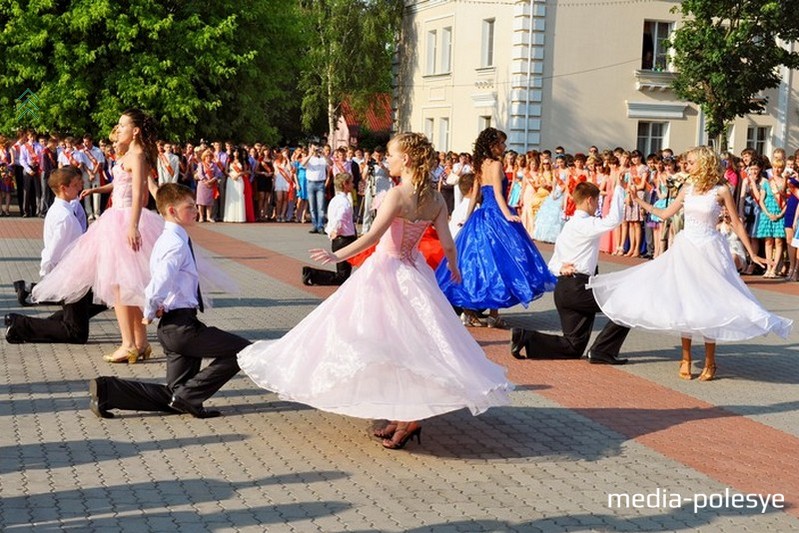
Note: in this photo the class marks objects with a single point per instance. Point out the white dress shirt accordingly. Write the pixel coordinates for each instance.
(316, 168)
(174, 280)
(339, 216)
(578, 242)
(61, 229)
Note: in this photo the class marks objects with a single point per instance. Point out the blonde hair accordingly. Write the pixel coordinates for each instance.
(422, 160)
(706, 171)
(340, 180)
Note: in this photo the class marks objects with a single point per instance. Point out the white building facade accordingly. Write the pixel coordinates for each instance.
(569, 73)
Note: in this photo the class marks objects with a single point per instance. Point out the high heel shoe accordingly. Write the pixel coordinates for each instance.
(404, 436)
(685, 370)
(146, 353)
(708, 374)
(131, 356)
(386, 432)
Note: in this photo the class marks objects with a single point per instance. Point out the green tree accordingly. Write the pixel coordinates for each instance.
(351, 50)
(728, 51)
(199, 68)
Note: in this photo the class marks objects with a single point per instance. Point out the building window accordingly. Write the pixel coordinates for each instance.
(443, 134)
(655, 54)
(446, 51)
(757, 138)
(487, 59)
(650, 137)
(431, 52)
(483, 122)
(429, 125)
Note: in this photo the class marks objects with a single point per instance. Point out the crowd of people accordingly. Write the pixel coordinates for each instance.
(256, 183)
(408, 356)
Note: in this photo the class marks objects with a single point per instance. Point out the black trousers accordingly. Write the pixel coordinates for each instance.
(577, 309)
(30, 184)
(69, 325)
(186, 341)
(19, 179)
(343, 268)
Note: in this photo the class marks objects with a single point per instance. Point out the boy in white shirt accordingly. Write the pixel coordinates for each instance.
(341, 231)
(173, 295)
(64, 223)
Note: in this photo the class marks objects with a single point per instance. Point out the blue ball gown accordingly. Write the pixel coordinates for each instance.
(500, 266)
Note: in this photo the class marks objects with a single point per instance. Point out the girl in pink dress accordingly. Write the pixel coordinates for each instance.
(404, 356)
(112, 257)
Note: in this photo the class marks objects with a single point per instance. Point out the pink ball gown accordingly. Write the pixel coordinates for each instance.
(101, 258)
(386, 344)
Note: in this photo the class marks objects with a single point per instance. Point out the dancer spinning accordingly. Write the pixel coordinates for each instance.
(672, 293)
(404, 356)
(501, 265)
(112, 257)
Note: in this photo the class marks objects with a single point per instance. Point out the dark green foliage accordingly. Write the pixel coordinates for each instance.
(727, 52)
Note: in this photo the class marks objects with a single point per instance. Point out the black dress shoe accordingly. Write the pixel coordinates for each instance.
(516, 336)
(182, 406)
(306, 276)
(596, 359)
(22, 292)
(12, 336)
(98, 403)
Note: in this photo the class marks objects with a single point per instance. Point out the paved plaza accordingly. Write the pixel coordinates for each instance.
(582, 447)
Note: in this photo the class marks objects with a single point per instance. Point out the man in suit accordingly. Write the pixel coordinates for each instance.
(574, 261)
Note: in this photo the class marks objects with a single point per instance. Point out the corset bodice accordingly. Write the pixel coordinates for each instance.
(402, 238)
(122, 196)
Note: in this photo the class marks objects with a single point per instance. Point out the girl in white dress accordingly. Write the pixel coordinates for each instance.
(676, 291)
(387, 343)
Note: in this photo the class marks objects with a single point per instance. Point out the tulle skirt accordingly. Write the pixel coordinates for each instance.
(102, 260)
(692, 289)
(386, 344)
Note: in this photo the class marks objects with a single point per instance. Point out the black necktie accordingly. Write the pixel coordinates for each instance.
(199, 292)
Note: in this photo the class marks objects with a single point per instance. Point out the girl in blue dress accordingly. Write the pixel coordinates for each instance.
(500, 265)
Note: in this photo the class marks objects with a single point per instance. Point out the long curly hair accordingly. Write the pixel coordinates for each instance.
(148, 133)
(423, 159)
(487, 139)
(706, 171)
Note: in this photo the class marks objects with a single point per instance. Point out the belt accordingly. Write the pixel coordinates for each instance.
(186, 311)
(577, 275)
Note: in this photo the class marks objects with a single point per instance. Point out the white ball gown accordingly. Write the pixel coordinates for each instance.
(692, 289)
(387, 344)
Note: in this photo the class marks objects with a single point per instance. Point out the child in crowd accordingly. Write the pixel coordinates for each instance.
(461, 211)
(174, 296)
(340, 229)
(62, 227)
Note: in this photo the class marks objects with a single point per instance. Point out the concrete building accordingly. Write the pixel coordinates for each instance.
(571, 73)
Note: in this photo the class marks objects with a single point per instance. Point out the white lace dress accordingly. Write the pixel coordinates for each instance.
(693, 289)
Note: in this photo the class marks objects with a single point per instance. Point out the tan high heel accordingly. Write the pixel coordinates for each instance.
(685, 370)
(146, 353)
(708, 374)
(131, 356)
